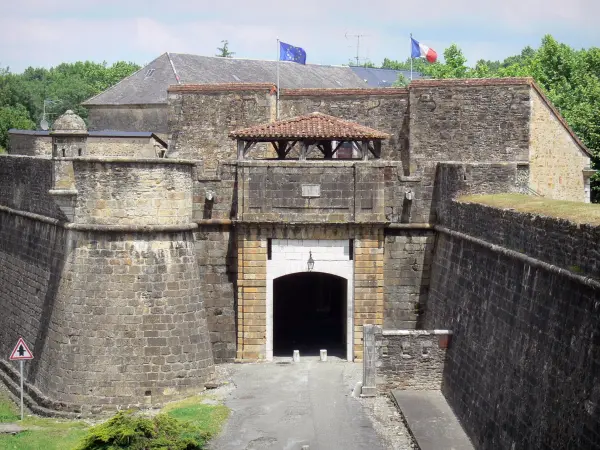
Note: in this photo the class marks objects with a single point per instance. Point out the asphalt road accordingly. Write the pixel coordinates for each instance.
(287, 406)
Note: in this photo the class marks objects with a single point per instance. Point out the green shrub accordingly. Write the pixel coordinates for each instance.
(134, 432)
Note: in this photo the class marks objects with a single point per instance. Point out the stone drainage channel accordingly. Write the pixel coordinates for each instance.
(306, 403)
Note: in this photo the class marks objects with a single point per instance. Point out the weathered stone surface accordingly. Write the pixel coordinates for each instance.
(407, 265)
(150, 117)
(411, 359)
(133, 192)
(216, 256)
(25, 183)
(469, 123)
(524, 338)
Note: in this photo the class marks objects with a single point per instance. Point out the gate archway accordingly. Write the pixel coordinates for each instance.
(309, 314)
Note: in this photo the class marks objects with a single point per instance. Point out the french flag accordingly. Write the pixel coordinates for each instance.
(422, 51)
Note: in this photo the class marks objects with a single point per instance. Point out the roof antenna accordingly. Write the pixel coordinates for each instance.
(173, 67)
(357, 36)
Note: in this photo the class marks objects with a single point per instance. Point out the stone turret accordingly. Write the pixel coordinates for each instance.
(69, 139)
(69, 136)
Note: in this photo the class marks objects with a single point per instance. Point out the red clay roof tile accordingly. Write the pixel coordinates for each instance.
(310, 126)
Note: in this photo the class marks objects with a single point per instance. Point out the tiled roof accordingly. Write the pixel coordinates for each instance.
(310, 126)
(149, 85)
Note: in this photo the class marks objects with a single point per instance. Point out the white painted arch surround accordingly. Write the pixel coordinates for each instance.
(289, 256)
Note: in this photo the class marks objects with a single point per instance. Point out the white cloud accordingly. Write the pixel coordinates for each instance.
(37, 32)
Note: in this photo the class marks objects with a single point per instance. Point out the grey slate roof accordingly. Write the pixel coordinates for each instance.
(382, 77)
(149, 84)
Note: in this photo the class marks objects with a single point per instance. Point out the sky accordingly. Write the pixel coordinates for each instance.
(46, 33)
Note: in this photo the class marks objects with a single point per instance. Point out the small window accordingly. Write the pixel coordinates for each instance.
(64, 153)
(79, 152)
(269, 249)
(150, 72)
(351, 250)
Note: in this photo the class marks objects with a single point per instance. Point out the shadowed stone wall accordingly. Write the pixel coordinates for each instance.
(410, 359)
(201, 117)
(382, 109)
(111, 303)
(216, 255)
(149, 117)
(32, 255)
(407, 266)
(522, 370)
(24, 185)
(469, 120)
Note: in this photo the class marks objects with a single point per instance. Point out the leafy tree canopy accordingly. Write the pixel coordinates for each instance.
(224, 51)
(22, 95)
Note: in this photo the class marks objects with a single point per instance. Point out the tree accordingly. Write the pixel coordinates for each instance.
(454, 65)
(401, 81)
(13, 117)
(224, 51)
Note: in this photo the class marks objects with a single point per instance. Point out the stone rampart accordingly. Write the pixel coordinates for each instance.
(522, 371)
(111, 303)
(382, 109)
(25, 183)
(311, 191)
(133, 192)
(469, 120)
(411, 359)
(201, 117)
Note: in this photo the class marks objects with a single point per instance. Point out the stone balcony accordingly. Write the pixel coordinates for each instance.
(311, 191)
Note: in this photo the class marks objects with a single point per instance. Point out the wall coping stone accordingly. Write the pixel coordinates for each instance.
(112, 159)
(534, 262)
(102, 228)
(414, 332)
(410, 226)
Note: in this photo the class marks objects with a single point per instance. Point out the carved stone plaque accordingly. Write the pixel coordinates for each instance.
(311, 190)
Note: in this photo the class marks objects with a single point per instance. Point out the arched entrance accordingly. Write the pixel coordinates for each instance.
(309, 314)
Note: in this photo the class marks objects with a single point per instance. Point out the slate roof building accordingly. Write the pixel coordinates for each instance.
(139, 102)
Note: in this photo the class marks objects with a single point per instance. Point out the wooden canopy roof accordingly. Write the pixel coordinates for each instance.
(315, 126)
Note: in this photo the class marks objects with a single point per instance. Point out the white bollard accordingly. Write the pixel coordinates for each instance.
(324, 355)
(296, 355)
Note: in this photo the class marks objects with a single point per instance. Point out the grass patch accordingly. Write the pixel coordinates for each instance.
(209, 418)
(8, 410)
(54, 434)
(577, 212)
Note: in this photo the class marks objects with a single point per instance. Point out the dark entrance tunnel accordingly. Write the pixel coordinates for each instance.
(309, 314)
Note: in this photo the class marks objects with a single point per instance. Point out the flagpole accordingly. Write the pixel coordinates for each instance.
(411, 58)
(277, 101)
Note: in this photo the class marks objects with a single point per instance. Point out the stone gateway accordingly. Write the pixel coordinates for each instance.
(131, 275)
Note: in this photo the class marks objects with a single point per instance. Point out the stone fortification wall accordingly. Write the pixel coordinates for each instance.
(293, 191)
(110, 303)
(407, 267)
(469, 120)
(24, 185)
(32, 255)
(522, 371)
(216, 255)
(128, 326)
(132, 147)
(28, 145)
(410, 359)
(151, 117)
(201, 117)
(133, 192)
(565, 244)
(382, 109)
(557, 157)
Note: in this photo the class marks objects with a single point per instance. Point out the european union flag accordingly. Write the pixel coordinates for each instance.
(288, 52)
